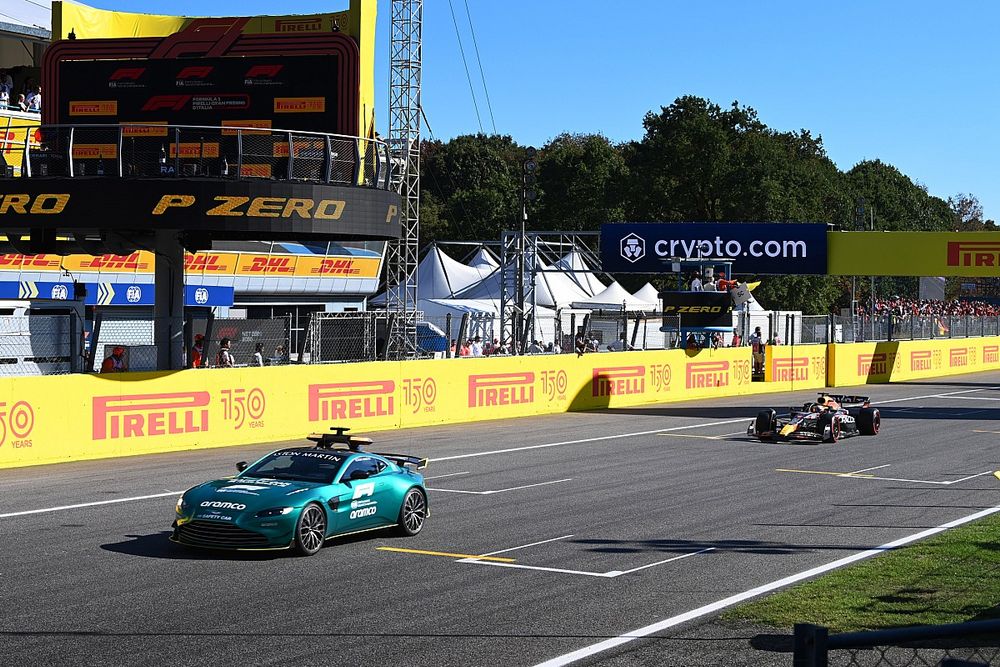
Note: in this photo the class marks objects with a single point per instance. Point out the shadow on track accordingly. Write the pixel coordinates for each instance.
(733, 546)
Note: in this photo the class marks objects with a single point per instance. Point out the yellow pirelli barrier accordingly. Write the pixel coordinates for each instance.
(897, 361)
(65, 418)
(793, 367)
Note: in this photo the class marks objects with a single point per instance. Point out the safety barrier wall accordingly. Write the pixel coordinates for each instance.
(53, 419)
(794, 367)
(896, 361)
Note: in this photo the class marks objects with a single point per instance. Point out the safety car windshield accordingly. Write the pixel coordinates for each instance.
(298, 465)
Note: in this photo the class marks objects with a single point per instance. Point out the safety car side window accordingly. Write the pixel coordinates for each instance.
(366, 465)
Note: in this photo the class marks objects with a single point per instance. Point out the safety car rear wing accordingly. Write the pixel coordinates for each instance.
(403, 460)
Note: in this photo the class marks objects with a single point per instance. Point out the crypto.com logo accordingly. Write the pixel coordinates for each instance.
(633, 248)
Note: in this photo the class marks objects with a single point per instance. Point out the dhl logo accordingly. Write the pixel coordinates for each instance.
(618, 381)
(991, 354)
(156, 128)
(704, 374)
(501, 389)
(148, 415)
(30, 261)
(873, 364)
(973, 253)
(116, 262)
(94, 151)
(921, 360)
(795, 369)
(351, 400)
(335, 267)
(196, 149)
(298, 25)
(94, 108)
(299, 104)
(203, 263)
(266, 265)
(958, 357)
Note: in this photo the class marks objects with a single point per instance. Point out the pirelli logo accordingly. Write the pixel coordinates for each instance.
(94, 108)
(156, 128)
(496, 389)
(235, 127)
(974, 253)
(313, 24)
(703, 374)
(194, 149)
(958, 357)
(873, 364)
(148, 415)
(299, 104)
(921, 360)
(351, 400)
(95, 151)
(795, 369)
(991, 354)
(618, 381)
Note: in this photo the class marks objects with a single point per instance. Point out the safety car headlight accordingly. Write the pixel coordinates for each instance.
(274, 511)
(181, 505)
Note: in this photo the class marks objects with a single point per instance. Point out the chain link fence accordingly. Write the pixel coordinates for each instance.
(340, 337)
(38, 344)
(245, 337)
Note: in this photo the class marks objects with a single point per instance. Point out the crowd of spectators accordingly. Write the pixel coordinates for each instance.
(903, 307)
(27, 98)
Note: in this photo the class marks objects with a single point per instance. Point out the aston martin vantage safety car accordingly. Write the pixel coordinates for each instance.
(299, 497)
(827, 419)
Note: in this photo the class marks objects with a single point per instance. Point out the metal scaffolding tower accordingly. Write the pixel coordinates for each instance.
(404, 147)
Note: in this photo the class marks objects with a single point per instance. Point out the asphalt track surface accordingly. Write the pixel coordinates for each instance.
(633, 516)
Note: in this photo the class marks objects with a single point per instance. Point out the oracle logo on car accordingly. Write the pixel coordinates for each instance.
(921, 360)
(873, 364)
(991, 354)
(702, 374)
(958, 357)
(141, 415)
(351, 400)
(793, 369)
(501, 389)
(618, 381)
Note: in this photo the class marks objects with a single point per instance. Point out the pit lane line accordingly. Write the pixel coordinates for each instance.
(712, 608)
(496, 451)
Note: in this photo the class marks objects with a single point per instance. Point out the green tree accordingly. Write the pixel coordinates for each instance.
(581, 180)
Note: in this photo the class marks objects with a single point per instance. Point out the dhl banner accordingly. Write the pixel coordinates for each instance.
(896, 361)
(203, 264)
(913, 253)
(796, 366)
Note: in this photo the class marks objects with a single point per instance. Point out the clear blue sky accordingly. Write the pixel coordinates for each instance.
(912, 83)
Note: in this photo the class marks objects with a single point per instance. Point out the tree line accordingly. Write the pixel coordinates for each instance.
(697, 161)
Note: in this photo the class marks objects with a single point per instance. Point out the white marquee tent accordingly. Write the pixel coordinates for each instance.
(612, 298)
(580, 273)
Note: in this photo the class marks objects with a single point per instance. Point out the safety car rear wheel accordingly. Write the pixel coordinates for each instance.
(869, 421)
(310, 531)
(766, 424)
(412, 512)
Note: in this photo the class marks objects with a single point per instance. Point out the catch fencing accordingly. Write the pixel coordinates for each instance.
(973, 644)
(40, 344)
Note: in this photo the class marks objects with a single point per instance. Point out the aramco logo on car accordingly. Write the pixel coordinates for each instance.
(703, 374)
(141, 415)
(497, 389)
(351, 400)
(618, 381)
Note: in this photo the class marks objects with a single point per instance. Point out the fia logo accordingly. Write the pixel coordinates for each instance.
(59, 292)
(133, 294)
(633, 248)
(201, 296)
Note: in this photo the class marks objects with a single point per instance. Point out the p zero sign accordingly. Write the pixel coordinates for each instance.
(760, 248)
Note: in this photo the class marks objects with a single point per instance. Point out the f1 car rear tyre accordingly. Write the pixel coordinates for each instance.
(869, 421)
(766, 424)
(412, 512)
(310, 531)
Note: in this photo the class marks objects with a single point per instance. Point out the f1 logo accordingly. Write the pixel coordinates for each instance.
(131, 73)
(196, 72)
(263, 71)
(633, 248)
(366, 489)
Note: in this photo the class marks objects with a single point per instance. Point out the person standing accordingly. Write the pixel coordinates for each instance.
(225, 358)
(736, 341)
(116, 362)
(258, 354)
(757, 347)
(696, 284)
(477, 347)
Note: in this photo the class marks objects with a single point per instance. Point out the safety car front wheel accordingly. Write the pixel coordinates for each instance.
(310, 531)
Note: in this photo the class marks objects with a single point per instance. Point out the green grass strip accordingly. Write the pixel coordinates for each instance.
(950, 578)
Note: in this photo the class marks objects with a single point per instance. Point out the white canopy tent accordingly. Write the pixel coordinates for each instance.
(580, 273)
(612, 298)
(553, 290)
(648, 294)
(484, 317)
(440, 277)
(483, 258)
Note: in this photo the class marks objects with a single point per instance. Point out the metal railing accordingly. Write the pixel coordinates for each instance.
(973, 644)
(913, 327)
(137, 150)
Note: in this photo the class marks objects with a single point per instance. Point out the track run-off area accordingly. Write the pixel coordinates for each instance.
(581, 538)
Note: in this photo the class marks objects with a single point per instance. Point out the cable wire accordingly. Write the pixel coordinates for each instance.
(468, 76)
(482, 74)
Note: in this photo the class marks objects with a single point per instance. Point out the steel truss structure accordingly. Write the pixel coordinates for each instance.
(404, 148)
(522, 257)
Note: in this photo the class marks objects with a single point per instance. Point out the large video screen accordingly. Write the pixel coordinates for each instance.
(282, 92)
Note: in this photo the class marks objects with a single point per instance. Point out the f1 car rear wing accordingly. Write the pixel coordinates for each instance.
(849, 399)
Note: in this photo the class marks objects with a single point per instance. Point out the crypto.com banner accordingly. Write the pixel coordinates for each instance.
(753, 248)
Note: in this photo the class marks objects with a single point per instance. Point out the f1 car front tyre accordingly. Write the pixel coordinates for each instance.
(412, 512)
(766, 424)
(835, 428)
(310, 531)
(869, 421)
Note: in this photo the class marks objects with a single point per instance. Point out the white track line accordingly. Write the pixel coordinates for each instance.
(513, 488)
(867, 469)
(719, 605)
(969, 398)
(586, 573)
(451, 474)
(668, 560)
(93, 504)
(525, 546)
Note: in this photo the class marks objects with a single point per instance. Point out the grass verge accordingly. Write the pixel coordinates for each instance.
(949, 578)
